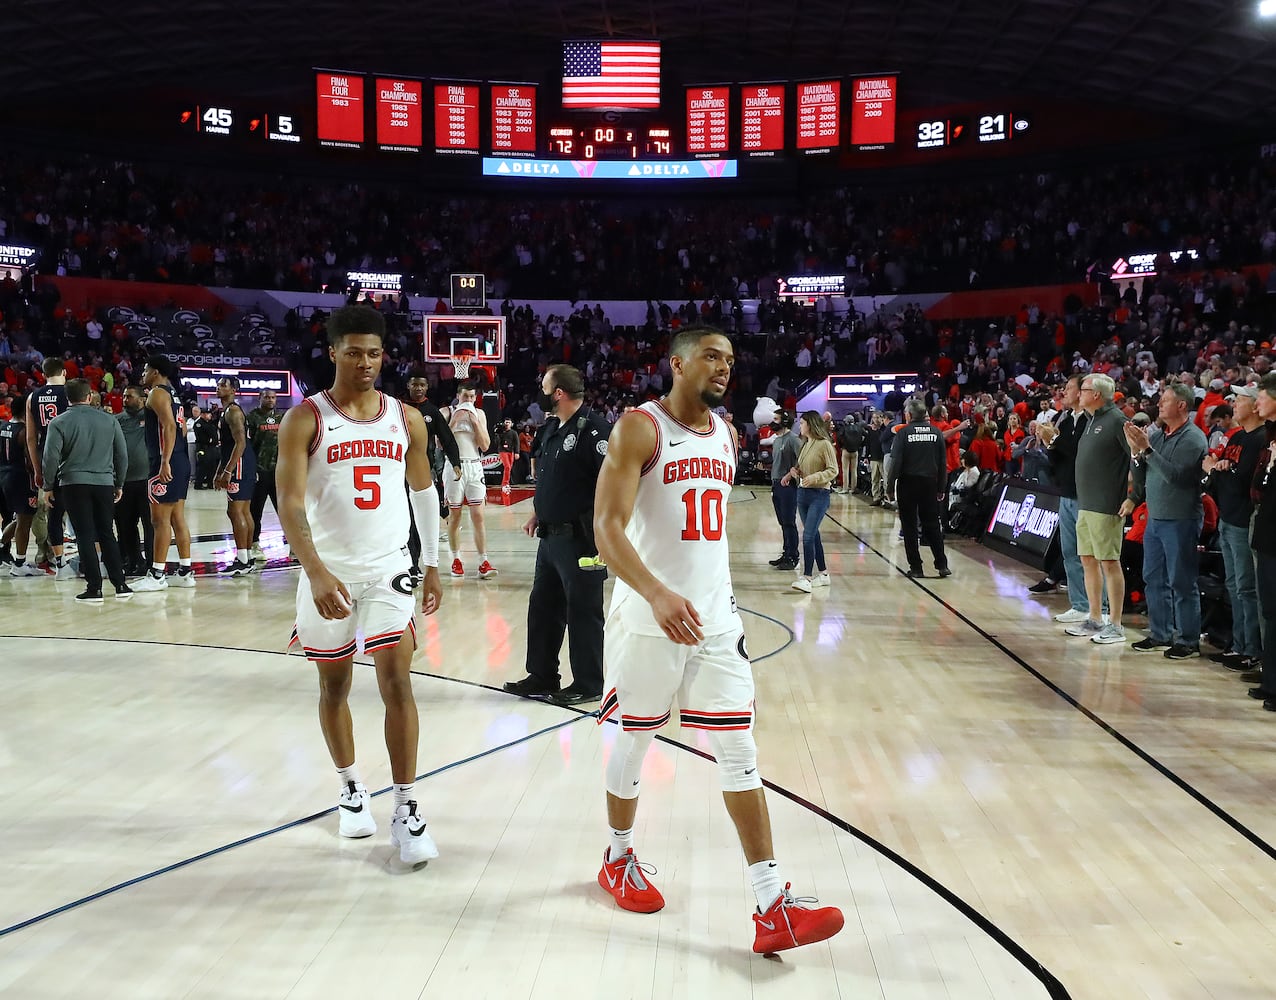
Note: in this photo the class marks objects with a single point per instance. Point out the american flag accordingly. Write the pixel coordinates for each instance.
(611, 74)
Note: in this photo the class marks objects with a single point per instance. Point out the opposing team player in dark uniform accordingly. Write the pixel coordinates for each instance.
(19, 491)
(442, 445)
(43, 405)
(170, 476)
(237, 474)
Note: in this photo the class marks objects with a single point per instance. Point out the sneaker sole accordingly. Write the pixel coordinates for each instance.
(419, 853)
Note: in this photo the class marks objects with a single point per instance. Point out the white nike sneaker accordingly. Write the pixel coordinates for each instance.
(67, 570)
(180, 579)
(26, 569)
(150, 583)
(355, 808)
(409, 834)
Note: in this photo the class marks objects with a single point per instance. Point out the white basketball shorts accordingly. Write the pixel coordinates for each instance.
(383, 611)
(470, 488)
(643, 674)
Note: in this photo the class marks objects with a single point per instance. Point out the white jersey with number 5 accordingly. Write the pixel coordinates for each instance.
(679, 523)
(356, 502)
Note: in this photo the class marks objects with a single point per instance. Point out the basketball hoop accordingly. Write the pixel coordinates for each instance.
(461, 365)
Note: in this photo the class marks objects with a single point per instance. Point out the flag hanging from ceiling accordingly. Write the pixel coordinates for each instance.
(611, 74)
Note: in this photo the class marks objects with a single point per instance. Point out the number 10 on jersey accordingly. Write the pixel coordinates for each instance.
(706, 515)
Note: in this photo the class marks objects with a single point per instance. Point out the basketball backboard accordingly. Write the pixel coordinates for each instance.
(481, 337)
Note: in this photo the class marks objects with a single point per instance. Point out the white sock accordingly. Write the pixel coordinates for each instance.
(241, 555)
(403, 794)
(184, 564)
(157, 569)
(482, 557)
(349, 774)
(621, 841)
(455, 554)
(768, 883)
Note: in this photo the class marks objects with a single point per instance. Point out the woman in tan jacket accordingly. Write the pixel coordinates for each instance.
(815, 472)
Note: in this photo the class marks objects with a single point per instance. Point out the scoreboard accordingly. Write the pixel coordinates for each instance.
(706, 130)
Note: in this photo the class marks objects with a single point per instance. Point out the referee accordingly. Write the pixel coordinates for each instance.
(916, 481)
(566, 595)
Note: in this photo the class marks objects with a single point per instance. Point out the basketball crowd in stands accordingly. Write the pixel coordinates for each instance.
(130, 221)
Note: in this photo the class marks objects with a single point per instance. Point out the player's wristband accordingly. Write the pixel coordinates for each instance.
(425, 511)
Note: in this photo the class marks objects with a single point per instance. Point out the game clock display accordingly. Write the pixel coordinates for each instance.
(609, 141)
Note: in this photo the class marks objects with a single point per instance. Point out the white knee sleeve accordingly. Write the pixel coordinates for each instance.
(624, 768)
(737, 755)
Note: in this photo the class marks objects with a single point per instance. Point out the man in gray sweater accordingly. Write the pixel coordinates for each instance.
(784, 453)
(1102, 472)
(85, 461)
(1167, 473)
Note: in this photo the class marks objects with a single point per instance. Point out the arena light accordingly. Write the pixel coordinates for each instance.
(1267, 8)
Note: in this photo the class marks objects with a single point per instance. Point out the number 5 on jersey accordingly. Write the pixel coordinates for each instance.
(364, 483)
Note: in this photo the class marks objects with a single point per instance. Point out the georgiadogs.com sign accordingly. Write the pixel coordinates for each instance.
(1025, 518)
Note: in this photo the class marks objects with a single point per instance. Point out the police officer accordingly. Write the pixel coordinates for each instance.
(916, 480)
(567, 590)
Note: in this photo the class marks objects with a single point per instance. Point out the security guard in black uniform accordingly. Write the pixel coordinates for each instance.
(916, 482)
(567, 590)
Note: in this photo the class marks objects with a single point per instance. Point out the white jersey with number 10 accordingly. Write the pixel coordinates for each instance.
(679, 523)
(356, 502)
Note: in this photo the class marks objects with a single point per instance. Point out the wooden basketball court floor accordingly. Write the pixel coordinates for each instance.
(1001, 812)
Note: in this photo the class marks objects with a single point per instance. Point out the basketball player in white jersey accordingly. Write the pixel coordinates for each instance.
(469, 426)
(673, 630)
(343, 457)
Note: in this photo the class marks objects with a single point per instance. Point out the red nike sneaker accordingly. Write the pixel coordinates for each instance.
(790, 924)
(625, 879)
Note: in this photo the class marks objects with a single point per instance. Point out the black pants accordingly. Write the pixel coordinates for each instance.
(918, 503)
(265, 489)
(784, 500)
(135, 506)
(92, 510)
(1266, 579)
(565, 597)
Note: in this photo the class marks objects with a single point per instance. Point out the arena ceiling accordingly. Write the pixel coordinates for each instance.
(1205, 60)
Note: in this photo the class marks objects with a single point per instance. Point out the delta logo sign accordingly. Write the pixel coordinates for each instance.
(611, 170)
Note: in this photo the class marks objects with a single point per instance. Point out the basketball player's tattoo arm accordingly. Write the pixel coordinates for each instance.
(235, 420)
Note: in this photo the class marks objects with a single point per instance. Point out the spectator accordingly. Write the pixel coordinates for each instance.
(1231, 475)
(814, 472)
(1167, 471)
(1102, 471)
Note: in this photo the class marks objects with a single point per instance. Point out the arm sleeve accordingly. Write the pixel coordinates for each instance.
(447, 440)
(600, 431)
(941, 464)
(1138, 480)
(1183, 470)
(50, 460)
(897, 453)
(120, 448)
(425, 511)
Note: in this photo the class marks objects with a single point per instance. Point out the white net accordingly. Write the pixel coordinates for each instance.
(461, 365)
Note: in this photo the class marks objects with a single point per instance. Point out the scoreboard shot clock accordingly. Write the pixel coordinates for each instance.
(469, 291)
